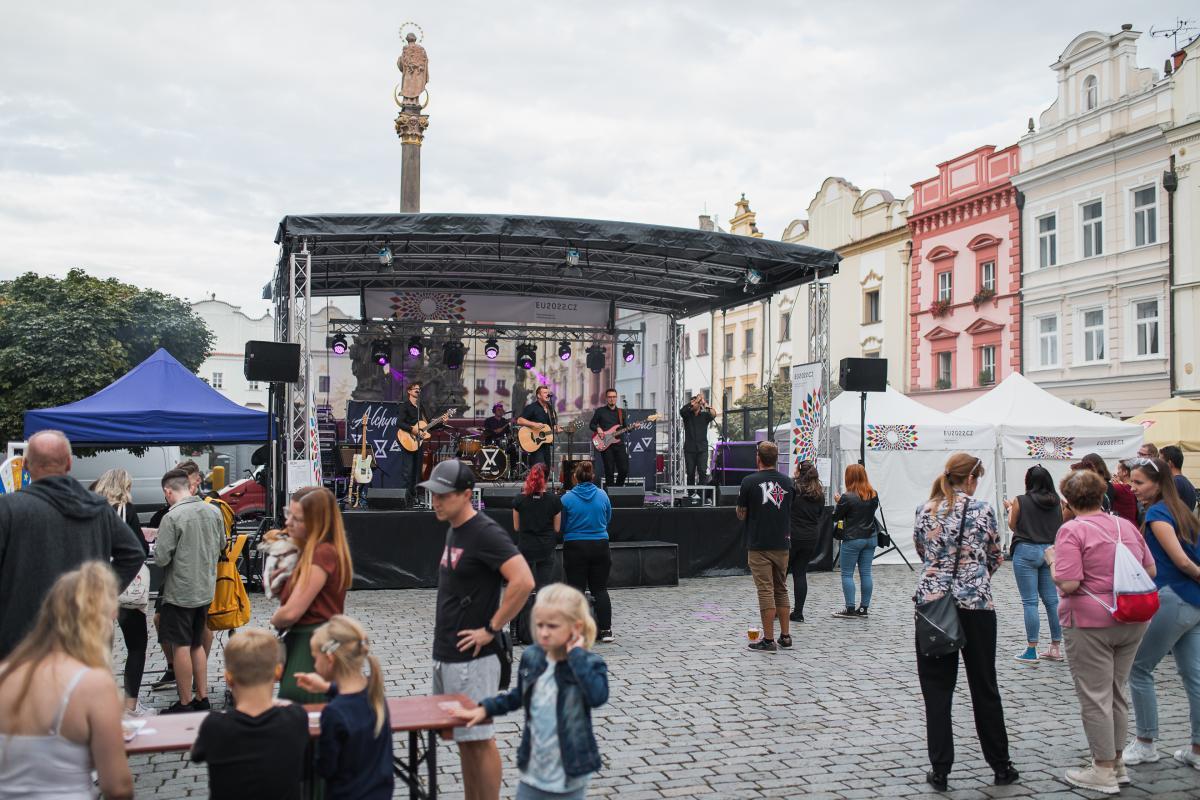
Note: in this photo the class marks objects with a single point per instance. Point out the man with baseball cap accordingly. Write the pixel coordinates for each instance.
(479, 555)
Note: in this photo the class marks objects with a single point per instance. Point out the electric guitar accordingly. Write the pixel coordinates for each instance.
(360, 472)
(412, 441)
(531, 439)
(604, 439)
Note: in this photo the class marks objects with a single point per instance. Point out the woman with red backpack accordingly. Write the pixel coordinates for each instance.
(1100, 647)
(1171, 533)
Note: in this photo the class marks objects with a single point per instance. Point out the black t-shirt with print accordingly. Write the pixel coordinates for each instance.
(767, 497)
(469, 583)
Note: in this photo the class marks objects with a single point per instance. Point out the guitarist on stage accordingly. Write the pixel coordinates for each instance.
(410, 463)
(616, 457)
(538, 413)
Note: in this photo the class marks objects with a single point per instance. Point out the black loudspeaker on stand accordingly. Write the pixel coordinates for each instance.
(272, 362)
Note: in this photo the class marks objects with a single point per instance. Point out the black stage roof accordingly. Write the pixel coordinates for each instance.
(674, 271)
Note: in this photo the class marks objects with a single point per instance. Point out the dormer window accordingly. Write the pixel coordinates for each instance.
(1091, 92)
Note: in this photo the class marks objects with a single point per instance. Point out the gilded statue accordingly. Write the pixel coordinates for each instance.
(414, 66)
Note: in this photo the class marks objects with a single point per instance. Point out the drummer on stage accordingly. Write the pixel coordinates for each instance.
(538, 413)
(496, 427)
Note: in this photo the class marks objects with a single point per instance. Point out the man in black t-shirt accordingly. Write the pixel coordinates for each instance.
(616, 457)
(697, 416)
(536, 415)
(496, 427)
(478, 556)
(409, 467)
(765, 505)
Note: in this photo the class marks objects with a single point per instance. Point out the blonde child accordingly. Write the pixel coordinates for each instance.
(558, 751)
(355, 750)
(257, 749)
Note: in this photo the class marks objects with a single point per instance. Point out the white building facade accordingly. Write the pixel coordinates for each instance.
(1095, 308)
(1184, 141)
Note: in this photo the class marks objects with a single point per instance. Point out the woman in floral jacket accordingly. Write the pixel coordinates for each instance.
(936, 535)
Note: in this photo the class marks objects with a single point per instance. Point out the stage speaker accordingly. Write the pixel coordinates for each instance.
(498, 496)
(733, 461)
(273, 362)
(386, 499)
(626, 496)
(728, 495)
(863, 374)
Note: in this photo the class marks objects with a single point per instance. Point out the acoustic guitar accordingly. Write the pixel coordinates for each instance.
(360, 471)
(604, 439)
(531, 439)
(411, 442)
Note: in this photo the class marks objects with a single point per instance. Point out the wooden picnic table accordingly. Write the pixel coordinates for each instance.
(425, 714)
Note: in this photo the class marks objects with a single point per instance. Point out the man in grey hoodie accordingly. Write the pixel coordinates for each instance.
(51, 527)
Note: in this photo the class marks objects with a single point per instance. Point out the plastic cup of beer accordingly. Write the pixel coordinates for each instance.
(753, 632)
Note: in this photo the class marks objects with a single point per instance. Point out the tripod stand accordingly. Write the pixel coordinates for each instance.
(893, 547)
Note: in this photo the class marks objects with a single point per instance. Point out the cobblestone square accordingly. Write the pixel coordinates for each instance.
(692, 713)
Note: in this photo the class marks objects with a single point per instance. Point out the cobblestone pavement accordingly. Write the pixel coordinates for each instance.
(692, 713)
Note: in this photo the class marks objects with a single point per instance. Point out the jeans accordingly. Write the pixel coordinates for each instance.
(586, 564)
(1033, 579)
(1175, 628)
(858, 553)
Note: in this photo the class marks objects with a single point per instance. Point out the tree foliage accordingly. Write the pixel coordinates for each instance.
(62, 340)
(757, 399)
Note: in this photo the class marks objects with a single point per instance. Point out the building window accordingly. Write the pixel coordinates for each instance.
(1092, 327)
(1047, 228)
(727, 397)
(749, 341)
(480, 385)
(987, 276)
(218, 380)
(687, 345)
(871, 306)
(945, 369)
(1145, 216)
(1146, 327)
(783, 375)
(702, 343)
(1047, 333)
(1091, 93)
(501, 385)
(945, 281)
(987, 365)
(1093, 229)
(322, 384)
(654, 399)
(747, 389)
(654, 355)
(252, 386)
(639, 400)
(728, 346)
(785, 326)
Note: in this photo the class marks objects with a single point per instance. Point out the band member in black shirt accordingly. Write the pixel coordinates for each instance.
(697, 416)
(496, 427)
(616, 457)
(537, 414)
(410, 463)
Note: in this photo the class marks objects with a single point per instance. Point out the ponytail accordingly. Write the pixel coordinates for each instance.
(375, 691)
(345, 640)
(960, 467)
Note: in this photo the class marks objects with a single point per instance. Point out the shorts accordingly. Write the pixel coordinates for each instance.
(182, 627)
(769, 570)
(478, 679)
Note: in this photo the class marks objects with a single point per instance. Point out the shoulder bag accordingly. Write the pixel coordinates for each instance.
(939, 631)
(136, 596)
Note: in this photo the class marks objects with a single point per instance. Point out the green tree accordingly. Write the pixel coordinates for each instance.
(757, 399)
(63, 340)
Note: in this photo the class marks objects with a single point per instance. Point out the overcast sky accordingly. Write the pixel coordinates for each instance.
(162, 142)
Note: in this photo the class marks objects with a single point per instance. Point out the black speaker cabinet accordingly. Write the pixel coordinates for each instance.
(626, 496)
(863, 374)
(498, 496)
(733, 461)
(387, 499)
(728, 495)
(273, 362)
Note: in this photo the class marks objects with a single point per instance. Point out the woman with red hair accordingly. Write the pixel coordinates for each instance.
(536, 517)
(855, 516)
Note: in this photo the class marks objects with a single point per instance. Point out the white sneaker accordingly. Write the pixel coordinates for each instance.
(1186, 756)
(137, 711)
(1139, 752)
(1094, 778)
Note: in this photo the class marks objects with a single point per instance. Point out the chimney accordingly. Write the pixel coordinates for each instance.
(706, 223)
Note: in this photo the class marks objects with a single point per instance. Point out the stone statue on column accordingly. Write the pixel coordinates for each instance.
(414, 66)
(410, 122)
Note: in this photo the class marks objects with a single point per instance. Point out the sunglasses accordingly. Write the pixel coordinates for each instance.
(1141, 462)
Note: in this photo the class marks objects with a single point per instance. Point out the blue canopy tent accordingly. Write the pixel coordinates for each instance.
(157, 402)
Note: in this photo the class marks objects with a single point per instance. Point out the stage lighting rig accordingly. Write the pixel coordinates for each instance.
(595, 358)
(452, 354)
(526, 355)
(492, 349)
(627, 353)
(337, 343)
(564, 350)
(381, 352)
(414, 347)
(385, 256)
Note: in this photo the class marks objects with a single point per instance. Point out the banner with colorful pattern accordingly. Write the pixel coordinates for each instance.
(421, 306)
(810, 410)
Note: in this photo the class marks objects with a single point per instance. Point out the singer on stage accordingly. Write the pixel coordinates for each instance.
(537, 414)
(697, 416)
(616, 457)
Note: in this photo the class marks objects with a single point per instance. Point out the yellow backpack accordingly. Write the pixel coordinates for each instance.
(230, 607)
(226, 514)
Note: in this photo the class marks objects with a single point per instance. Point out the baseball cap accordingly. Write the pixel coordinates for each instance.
(451, 475)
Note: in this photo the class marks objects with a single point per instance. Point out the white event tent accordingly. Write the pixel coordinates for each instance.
(1035, 427)
(907, 446)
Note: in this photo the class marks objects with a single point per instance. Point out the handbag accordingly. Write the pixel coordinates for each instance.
(136, 596)
(939, 630)
(1135, 596)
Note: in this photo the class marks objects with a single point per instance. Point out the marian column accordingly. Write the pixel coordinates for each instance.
(410, 122)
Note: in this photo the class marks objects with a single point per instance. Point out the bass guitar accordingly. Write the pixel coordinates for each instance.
(604, 439)
(412, 441)
(360, 471)
(531, 439)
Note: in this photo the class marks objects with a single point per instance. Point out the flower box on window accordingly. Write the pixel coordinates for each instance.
(986, 378)
(502, 391)
(943, 383)
(982, 296)
(940, 308)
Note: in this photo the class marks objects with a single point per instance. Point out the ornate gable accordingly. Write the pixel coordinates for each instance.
(941, 333)
(982, 325)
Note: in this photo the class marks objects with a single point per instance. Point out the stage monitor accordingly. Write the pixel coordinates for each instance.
(863, 374)
(498, 496)
(626, 496)
(273, 362)
(728, 495)
(387, 499)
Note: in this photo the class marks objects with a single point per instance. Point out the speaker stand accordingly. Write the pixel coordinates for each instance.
(895, 547)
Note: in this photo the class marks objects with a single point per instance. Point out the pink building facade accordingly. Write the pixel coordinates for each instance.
(965, 278)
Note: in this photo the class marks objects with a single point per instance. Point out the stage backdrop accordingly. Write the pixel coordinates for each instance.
(642, 445)
(420, 306)
(382, 421)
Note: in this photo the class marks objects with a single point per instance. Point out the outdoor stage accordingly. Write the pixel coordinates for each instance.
(401, 549)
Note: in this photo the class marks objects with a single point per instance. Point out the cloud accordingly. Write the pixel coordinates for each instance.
(163, 145)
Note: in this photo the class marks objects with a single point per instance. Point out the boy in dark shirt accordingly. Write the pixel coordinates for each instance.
(765, 505)
(257, 750)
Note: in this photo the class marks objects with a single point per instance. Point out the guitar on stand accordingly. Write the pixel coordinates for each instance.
(411, 441)
(360, 471)
(604, 439)
(531, 439)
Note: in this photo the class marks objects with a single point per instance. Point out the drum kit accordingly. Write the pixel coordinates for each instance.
(491, 462)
